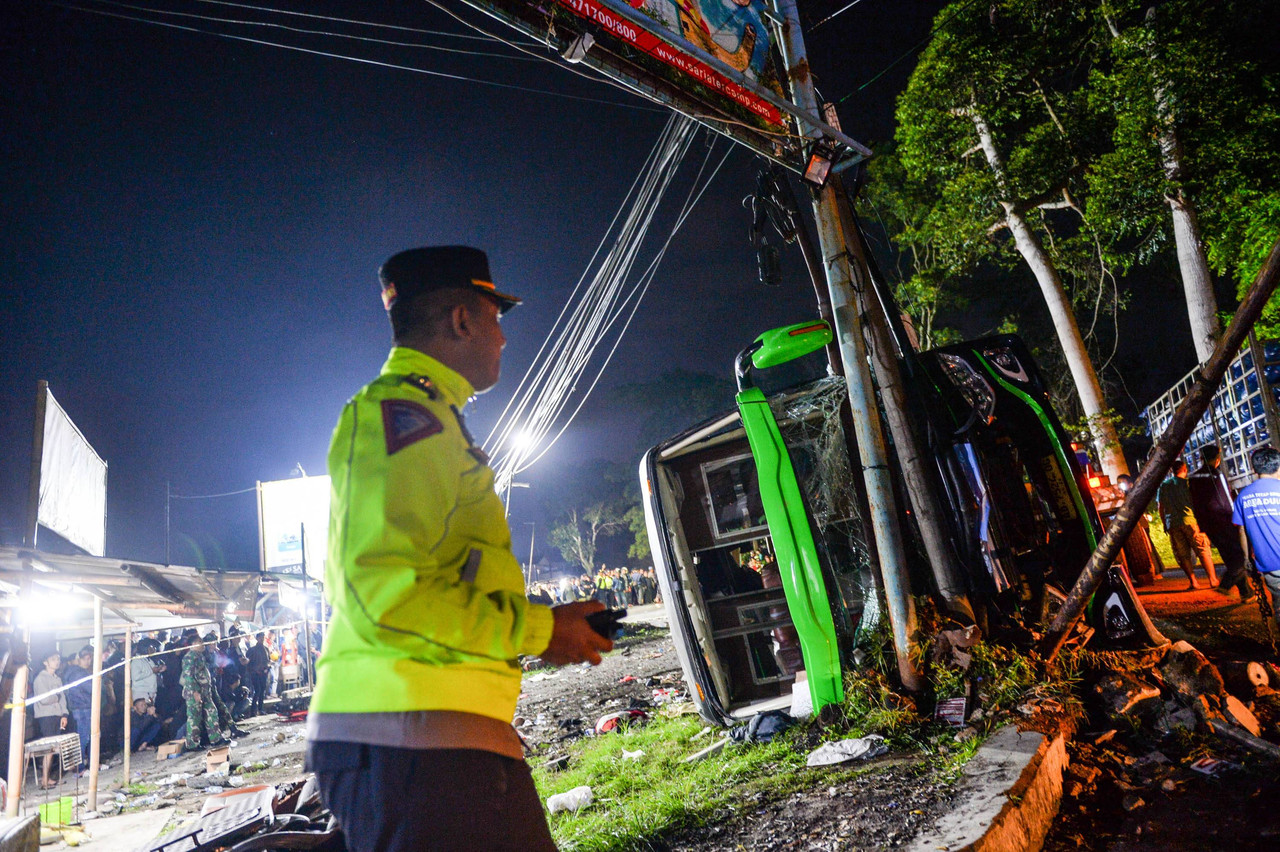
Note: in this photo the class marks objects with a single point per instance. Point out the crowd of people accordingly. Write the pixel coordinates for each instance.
(614, 587)
(184, 685)
(1200, 511)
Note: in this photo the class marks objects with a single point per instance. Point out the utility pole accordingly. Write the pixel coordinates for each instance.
(841, 282)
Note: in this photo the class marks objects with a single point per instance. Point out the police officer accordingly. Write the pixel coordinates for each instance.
(410, 731)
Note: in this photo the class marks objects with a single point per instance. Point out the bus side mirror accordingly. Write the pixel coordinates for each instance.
(780, 345)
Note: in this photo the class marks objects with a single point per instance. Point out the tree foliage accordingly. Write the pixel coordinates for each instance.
(578, 534)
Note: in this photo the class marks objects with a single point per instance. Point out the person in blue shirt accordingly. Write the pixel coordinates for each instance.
(1257, 514)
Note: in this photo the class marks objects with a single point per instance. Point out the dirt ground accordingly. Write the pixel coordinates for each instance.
(1136, 792)
(557, 705)
(883, 807)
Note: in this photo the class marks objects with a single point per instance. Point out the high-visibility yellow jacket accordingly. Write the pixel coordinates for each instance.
(429, 607)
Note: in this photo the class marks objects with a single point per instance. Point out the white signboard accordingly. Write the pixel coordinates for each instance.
(285, 507)
(73, 483)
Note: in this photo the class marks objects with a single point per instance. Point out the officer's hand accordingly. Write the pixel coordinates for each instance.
(573, 640)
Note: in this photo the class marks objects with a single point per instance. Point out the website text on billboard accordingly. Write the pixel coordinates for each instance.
(655, 47)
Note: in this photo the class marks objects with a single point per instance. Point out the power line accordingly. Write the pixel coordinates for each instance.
(305, 30)
(211, 496)
(358, 59)
(936, 29)
(834, 15)
(332, 19)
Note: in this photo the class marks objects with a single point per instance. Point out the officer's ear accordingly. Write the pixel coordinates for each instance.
(460, 321)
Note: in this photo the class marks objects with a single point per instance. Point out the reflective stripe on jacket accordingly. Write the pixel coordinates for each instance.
(429, 607)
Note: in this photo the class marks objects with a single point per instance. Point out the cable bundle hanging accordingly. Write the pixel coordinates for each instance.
(534, 419)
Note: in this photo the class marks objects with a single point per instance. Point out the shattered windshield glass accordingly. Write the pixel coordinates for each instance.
(811, 426)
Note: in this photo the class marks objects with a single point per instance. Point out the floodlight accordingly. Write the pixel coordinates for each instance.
(821, 158)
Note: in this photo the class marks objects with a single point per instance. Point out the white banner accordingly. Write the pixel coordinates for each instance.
(284, 507)
(73, 483)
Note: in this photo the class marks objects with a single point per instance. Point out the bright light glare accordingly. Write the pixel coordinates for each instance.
(48, 608)
(522, 441)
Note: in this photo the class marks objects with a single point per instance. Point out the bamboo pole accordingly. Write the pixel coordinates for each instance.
(17, 744)
(95, 723)
(128, 703)
(1166, 450)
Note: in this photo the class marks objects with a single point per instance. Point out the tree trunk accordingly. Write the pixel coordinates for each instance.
(1064, 319)
(1197, 284)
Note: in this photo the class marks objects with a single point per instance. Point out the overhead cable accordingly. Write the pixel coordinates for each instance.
(211, 496)
(598, 313)
(939, 27)
(835, 14)
(359, 59)
(307, 31)
(332, 19)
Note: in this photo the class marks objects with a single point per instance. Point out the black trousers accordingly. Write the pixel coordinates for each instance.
(414, 800)
(258, 686)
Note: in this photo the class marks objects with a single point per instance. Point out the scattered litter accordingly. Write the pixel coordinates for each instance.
(543, 676)
(700, 734)
(235, 781)
(1212, 766)
(276, 762)
(611, 722)
(950, 711)
(952, 646)
(763, 727)
(860, 748)
(708, 751)
(632, 755)
(627, 679)
(213, 790)
(573, 800)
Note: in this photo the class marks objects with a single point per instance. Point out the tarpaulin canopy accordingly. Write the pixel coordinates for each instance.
(145, 595)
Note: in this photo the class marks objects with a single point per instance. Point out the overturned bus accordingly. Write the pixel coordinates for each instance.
(769, 580)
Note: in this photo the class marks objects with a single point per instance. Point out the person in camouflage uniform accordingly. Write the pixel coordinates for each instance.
(205, 710)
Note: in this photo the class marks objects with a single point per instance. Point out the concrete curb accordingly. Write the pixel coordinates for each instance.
(1007, 799)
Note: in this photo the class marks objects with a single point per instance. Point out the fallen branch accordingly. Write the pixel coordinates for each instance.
(1239, 735)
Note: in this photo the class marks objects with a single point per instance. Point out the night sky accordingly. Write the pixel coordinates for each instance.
(193, 225)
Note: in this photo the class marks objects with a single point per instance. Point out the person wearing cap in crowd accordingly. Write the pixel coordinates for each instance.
(409, 731)
(1212, 501)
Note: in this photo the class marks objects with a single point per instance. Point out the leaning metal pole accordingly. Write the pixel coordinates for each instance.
(1166, 450)
(857, 372)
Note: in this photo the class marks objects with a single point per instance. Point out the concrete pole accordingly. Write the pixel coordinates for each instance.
(128, 702)
(95, 713)
(17, 744)
(857, 371)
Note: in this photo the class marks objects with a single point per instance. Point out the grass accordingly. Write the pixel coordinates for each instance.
(1160, 541)
(637, 803)
(636, 800)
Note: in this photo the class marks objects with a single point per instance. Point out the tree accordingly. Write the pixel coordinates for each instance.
(990, 130)
(578, 533)
(639, 549)
(1192, 141)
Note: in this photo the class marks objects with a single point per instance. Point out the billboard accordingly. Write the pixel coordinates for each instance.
(73, 482)
(717, 61)
(285, 508)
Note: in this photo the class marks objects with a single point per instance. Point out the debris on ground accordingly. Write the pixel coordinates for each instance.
(763, 727)
(572, 800)
(842, 751)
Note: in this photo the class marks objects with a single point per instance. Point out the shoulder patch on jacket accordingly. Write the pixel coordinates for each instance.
(405, 422)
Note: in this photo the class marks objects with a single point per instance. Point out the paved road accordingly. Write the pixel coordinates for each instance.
(1206, 618)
